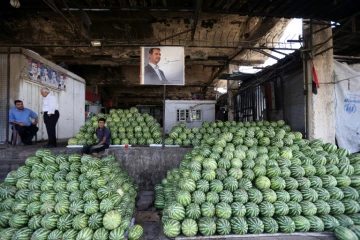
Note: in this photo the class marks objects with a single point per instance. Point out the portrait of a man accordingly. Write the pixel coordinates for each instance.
(54, 78)
(62, 81)
(34, 71)
(162, 66)
(45, 74)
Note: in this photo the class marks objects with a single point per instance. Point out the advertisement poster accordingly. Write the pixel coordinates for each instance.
(162, 66)
(46, 75)
(347, 107)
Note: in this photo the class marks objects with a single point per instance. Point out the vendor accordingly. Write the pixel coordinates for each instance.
(103, 135)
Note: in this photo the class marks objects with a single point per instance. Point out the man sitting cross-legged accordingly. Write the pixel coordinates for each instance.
(103, 135)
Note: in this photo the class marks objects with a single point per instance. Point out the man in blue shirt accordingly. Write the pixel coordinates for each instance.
(103, 135)
(20, 117)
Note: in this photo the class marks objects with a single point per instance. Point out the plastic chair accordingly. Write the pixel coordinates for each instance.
(15, 135)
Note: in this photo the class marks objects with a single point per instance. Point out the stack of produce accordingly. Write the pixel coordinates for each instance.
(261, 178)
(185, 136)
(126, 126)
(67, 197)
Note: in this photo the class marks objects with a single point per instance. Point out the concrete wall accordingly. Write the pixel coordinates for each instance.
(294, 101)
(207, 110)
(148, 166)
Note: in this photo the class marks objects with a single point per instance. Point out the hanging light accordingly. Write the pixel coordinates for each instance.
(15, 3)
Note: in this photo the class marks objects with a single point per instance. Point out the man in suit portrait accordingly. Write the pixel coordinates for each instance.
(152, 73)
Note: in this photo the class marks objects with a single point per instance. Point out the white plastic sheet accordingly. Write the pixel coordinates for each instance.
(347, 107)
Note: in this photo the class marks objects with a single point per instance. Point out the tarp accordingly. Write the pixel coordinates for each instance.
(347, 107)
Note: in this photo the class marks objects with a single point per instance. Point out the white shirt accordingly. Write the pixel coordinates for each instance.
(50, 104)
(156, 68)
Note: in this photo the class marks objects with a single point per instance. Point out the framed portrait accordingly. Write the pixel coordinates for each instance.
(34, 70)
(162, 66)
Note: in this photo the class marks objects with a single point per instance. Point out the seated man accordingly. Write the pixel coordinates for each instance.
(103, 135)
(20, 117)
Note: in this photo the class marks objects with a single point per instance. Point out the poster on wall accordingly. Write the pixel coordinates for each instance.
(162, 66)
(46, 75)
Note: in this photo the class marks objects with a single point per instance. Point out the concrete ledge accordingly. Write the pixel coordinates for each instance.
(148, 165)
(275, 236)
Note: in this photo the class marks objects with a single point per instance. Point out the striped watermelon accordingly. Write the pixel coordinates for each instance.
(270, 225)
(316, 224)
(301, 223)
(207, 226)
(223, 226)
(308, 208)
(239, 225)
(223, 210)
(193, 211)
(286, 224)
(49, 221)
(322, 207)
(85, 234)
(294, 208)
(111, 220)
(266, 209)
(330, 223)
(343, 233)
(344, 220)
(136, 231)
(255, 225)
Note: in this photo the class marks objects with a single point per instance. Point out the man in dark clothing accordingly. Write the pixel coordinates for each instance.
(103, 135)
(152, 73)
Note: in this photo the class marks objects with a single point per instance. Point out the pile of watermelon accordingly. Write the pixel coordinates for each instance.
(67, 197)
(260, 177)
(126, 126)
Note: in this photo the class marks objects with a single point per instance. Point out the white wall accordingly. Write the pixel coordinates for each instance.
(171, 106)
(71, 101)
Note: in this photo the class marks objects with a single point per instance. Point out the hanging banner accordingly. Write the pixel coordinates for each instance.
(347, 107)
(39, 72)
(162, 66)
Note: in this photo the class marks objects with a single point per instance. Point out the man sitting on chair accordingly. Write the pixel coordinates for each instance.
(103, 135)
(20, 117)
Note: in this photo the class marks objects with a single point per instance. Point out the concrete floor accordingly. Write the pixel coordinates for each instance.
(11, 157)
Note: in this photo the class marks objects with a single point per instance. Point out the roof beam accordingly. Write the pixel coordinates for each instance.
(266, 54)
(195, 18)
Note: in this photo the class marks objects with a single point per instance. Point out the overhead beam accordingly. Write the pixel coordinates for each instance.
(195, 18)
(247, 62)
(234, 11)
(266, 54)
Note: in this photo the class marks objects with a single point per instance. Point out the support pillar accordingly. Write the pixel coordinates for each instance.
(232, 87)
(320, 106)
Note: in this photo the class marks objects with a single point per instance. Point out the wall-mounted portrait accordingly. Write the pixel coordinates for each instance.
(162, 66)
(45, 75)
(34, 70)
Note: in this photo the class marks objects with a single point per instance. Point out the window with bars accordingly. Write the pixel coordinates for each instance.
(182, 114)
(188, 114)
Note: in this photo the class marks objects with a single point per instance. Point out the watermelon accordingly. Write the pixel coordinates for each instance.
(286, 224)
(136, 231)
(255, 225)
(223, 226)
(343, 233)
(111, 220)
(207, 226)
(239, 225)
(302, 224)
